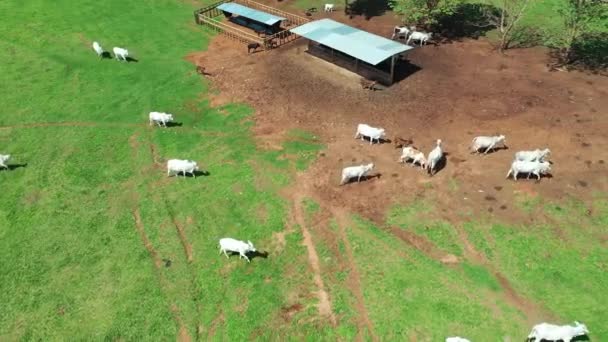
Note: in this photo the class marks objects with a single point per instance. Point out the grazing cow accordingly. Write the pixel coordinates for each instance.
(552, 332)
(355, 171)
(456, 339)
(420, 36)
(98, 49)
(400, 31)
(329, 7)
(160, 118)
(3, 159)
(413, 154)
(488, 143)
(530, 167)
(252, 46)
(120, 53)
(372, 133)
(434, 157)
(536, 155)
(181, 166)
(233, 245)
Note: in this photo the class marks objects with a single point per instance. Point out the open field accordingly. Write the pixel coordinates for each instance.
(98, 244)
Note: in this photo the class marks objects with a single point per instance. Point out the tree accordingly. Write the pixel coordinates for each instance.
(506, 18)
(579, 15)
(423, 12)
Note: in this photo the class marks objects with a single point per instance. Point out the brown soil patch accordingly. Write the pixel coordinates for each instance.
(287, 313)
(182, 335)
(183, 239)
(144, 238)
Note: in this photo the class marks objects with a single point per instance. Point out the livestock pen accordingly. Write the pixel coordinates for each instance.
(369, 55)
(258, 23)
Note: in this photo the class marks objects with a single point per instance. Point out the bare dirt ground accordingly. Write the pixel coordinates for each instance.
(452, 92)
(461, 90)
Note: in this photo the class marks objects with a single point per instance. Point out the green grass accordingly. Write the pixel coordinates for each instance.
(76, 266)
(74, 263)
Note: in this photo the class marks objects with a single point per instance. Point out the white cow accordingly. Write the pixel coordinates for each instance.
(181, 166)
(3, 159)
(551, 332)
(97, 49)
(355, 171)
(233, 245)
(372, 133)
(420, 36)
(411, 153)
(434, 157)
(530, 167)
(536, 155)
(120, 53)
(456, 339)
(487, 142)
(160, 118)
(400, 31)
(329, 7)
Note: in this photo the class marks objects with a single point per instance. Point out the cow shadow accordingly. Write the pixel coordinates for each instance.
(441, 164)
(530, 177)
(198, 174)
(581, 338)
(363, 178)
(490, 151)
(376, 141)
(174, 124)
(258, 254)
(106, 55)
(131, 59)
(12, 167)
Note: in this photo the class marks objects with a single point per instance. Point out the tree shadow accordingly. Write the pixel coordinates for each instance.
(468, 21)
(588, 53)
(366, 8)
(11, 167)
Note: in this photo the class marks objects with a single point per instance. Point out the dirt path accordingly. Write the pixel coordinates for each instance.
(532, 311)
(354, 279)
(325, 307)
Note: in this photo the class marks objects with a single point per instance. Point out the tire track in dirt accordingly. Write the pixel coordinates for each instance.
(325, 306)
(354, 279)
(532, 311)
(183, 335)
(423, 245)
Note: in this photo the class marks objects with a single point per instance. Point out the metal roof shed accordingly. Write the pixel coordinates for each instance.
(253, 14)
(362, 45)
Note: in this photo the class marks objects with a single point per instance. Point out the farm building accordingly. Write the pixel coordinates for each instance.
(250, 22)
(256, 20)
(364, 53)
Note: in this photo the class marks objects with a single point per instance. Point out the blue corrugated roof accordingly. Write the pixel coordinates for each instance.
(250, 13)
(362, 45)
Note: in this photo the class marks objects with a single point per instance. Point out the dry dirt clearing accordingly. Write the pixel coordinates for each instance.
(453, 92)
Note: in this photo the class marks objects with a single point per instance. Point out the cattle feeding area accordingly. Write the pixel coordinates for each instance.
(98, 243)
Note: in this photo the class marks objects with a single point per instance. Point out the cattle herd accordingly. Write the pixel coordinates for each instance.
(533, 162)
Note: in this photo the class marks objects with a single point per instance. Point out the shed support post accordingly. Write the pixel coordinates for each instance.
(392, 68)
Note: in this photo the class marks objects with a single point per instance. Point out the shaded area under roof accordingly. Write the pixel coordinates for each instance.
(250, 13)
(362, 45)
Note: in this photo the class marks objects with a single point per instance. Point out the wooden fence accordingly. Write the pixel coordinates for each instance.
(208, 16)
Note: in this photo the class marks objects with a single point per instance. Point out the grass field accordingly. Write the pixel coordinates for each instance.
(89, 221)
